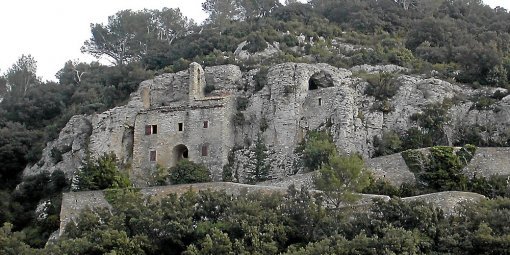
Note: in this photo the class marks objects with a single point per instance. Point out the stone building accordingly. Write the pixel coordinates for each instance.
(170, 118)
(195, 127)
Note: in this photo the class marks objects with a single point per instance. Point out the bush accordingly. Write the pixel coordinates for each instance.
(444, 171)
(441, 170)
(341, 177)
(382, 86)
(102, 173)
(389, 143)
(188, 172)
(261, 78)
(317, 149)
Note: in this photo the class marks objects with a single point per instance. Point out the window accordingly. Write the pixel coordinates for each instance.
(152, 156)
(151, 129)
(206, 124)
(180, 126)
(320, 101)
(204, 150)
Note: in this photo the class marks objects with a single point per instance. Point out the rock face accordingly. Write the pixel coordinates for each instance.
(68, 152)
(172, 117)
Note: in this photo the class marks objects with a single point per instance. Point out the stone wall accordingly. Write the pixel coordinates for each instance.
(74, 202)
(212, 137)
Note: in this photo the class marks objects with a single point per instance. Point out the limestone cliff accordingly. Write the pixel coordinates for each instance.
(172, 117)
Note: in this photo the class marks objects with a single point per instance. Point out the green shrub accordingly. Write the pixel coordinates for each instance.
(262, 167)
(188, 172)
(414, 138)
(261, 78)
(382, 86)
(492, 187)
(317, 149)
(102, 173)
(256, 43)
(415, 160)
(444, 170)
(290, 40)
(389, 143)
(381, 187)
(341, 177)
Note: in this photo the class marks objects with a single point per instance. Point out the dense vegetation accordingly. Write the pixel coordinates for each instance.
(459, 40)
(295, 223)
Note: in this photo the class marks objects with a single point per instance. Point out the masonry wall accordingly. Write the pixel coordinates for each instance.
(168, 141)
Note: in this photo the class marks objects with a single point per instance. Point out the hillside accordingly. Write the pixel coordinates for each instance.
(400, 99)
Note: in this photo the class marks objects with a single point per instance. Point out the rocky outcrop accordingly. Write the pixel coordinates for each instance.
(297, 98)
(68, 152)
(488, 162)
(379, 69)
(448, 201)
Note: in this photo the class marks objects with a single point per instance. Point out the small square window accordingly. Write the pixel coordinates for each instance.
(152, 156)
(204, 150)
(154, 129)
(206, 124)
(180, 126)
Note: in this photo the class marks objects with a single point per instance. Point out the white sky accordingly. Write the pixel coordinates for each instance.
(53, 31)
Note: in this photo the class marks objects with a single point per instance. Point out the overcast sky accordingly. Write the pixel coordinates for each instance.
(53, 31)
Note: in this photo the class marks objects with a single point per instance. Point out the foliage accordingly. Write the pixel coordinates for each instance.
(188, 172)
(444, 170)
(440, 168)
(415, 160)
(21, 76)
(341, 177)
(260, 78)
(102, 173)
(462, 40)
(129, 36)
(381, 187)
(430, 131)
(389, 143)
(317, 149)
(262, 167)
(229, 173)
(381, 85)
(295, 223)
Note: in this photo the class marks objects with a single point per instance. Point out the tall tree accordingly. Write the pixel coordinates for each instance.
(123, 39)
(171, 24)
(21, 76)
(3, 87)
(258, 8)
(222, 12)
(129, 36)
(341, 178)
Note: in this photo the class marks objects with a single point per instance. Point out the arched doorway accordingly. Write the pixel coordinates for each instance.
(180, 152)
